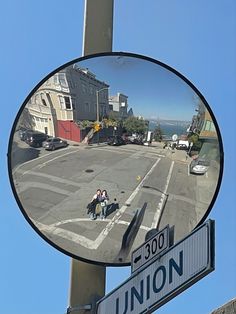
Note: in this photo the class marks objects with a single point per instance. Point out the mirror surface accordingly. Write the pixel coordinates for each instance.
(121, 123)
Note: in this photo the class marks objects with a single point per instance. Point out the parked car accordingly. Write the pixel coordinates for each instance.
(182, 145)
(23, 133)
(34, 138)
(53, 143)
(199, 165)
(138, 140)
(116, 141)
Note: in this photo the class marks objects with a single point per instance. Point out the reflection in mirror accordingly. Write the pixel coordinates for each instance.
(125, 125)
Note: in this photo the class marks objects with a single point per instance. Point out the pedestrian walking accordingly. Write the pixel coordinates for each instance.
(93, 205)
(104, 203)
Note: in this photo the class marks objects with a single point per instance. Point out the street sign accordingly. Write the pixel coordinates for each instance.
(148, 250)
(174, 137)
(97, 127)
(164, 277)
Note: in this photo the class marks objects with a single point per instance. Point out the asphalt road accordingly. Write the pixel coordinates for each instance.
(54, 189)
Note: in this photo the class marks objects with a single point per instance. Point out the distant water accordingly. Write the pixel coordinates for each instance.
(170, 129)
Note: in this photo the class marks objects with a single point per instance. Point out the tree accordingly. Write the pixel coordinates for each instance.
(194, 138)
(157, 134)
(135, 125)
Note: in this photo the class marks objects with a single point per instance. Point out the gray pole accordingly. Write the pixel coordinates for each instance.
(98, 26)
(97, 92)
(97, 106)
(87, 282)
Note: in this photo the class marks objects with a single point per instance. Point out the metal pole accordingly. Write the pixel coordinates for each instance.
(87, 282)
(98, 26)
(97, 107)
(87, 286)
(97, 92)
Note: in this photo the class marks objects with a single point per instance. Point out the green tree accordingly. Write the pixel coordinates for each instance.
(194, 138)
(158, 134)
(135, 125)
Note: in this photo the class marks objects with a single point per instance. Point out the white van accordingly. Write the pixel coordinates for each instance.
(181, 144)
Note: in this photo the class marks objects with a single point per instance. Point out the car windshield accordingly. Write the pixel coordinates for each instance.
(203, 163)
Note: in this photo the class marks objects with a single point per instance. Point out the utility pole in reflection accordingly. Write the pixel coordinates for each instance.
(87, 281)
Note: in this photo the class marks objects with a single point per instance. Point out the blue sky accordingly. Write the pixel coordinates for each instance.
(153, 91)
(198, 39)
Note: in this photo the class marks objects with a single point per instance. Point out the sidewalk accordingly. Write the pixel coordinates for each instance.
(85, 145)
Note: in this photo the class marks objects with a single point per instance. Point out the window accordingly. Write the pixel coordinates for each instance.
(43, 100)
(62, 102)
(55, 79)
(62, 79)
(209, 126)
(67, 102)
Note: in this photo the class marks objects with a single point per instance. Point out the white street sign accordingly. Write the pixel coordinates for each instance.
(154, 246)
(164, 277)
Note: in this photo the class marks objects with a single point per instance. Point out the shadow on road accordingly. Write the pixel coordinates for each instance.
(19, 155)
(112, 208)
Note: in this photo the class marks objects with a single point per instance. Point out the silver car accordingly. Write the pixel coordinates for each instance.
(199, 166)
(54, 143)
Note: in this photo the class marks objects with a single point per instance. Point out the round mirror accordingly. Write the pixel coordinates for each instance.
(110, 148)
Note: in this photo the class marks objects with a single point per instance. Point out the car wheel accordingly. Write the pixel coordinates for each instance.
(53, 147)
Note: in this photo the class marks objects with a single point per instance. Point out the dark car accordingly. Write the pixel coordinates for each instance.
(199, 166)
(35, 139)
(53, 143)
(23, 133)
(116, 141)
(138, 140)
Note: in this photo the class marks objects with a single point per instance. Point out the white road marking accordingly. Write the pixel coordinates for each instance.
(50, 160)
(132, 196)
(163, 195)
(55, 230)
(32, 160)
(42, 186)
(52, 178)
(93, 245)
(122, 222)
(117, 216)
(66, 234)
(145, 151)
(113, 151)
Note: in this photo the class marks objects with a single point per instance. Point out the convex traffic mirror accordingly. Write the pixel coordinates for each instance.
(124, 124)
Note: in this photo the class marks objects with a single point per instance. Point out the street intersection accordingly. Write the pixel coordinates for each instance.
(55, 187)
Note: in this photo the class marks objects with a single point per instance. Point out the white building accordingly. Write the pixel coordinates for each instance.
(118, 105)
